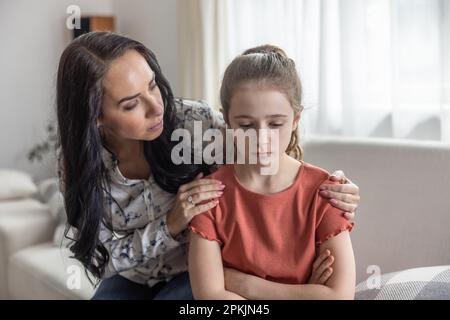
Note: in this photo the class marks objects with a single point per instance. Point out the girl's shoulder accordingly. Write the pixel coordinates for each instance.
(314, 176)
(224, 172)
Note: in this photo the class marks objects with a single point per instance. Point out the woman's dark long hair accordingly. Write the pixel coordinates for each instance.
(82, 173)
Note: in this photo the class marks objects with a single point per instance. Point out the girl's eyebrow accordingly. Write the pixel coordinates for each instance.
(244, 116)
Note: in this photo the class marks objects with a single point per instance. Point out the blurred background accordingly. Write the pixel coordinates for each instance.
(369, 68)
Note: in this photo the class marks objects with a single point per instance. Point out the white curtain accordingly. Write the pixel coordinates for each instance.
(377, 68)
(203, 53)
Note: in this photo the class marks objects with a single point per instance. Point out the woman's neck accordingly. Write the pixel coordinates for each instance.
(126, 150)
(250, 176)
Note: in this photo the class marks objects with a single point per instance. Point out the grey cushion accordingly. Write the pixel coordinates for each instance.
(429, 283)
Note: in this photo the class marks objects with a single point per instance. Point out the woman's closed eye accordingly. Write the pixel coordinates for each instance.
(130, 106)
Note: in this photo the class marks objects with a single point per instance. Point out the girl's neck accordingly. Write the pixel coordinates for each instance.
(250, 176)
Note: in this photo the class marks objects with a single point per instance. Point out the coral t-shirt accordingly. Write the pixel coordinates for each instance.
(272, 236)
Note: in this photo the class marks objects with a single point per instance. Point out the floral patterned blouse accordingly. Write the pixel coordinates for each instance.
(140, 246)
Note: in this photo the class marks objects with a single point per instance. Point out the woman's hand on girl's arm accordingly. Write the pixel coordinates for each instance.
(183, 211)
(206, 270)
(344, 196)
(341, 284)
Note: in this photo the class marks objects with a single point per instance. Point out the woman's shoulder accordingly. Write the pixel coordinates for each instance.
(187, 111)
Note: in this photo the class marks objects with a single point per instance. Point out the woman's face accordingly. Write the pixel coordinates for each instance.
(132, 104)
(258, 107)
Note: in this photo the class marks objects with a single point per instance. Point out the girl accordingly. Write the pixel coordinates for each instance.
(260, 242)
(126, 202)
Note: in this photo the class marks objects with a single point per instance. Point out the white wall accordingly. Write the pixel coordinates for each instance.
(32, 37)
(154, 23)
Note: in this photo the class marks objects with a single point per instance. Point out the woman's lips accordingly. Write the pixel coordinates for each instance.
(156, 127)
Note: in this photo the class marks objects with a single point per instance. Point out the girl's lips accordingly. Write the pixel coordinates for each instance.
(156, 127)
(263, 153)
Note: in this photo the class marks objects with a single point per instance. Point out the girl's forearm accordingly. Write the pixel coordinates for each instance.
(220, 295)
(261, 289)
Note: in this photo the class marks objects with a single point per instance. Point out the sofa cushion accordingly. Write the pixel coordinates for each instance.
(16, 184)
(412, 284)
(46, 272)
(15, 206)
(47, 188)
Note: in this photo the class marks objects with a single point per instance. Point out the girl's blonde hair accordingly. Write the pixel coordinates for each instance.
(269, 66)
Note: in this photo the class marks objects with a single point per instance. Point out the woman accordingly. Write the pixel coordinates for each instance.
(128, 205)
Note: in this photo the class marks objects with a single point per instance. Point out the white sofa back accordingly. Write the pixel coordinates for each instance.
(404, 217)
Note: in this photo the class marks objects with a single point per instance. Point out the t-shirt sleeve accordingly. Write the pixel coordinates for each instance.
(330, 220)
(204, 225)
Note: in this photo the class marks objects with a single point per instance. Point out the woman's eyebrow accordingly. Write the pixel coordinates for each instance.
(128, 98)
(137, 94)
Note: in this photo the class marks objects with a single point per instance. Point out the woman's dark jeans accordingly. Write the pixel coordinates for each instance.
(120, 288)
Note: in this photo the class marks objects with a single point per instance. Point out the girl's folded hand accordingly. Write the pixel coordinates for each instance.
(322, 270)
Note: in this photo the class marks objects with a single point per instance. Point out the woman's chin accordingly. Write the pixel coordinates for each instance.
(152, 135)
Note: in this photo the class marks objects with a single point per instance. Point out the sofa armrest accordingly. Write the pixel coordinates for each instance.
(28, 223)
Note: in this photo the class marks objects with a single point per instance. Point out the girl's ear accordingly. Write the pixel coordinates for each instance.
(296, 121)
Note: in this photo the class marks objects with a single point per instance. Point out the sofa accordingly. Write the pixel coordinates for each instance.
(34, 260)
(400, 239)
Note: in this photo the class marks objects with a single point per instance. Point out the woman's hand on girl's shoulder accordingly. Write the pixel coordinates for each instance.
(344, 196)
(190, 201)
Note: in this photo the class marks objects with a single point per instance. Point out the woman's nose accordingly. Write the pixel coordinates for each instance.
(154, 107)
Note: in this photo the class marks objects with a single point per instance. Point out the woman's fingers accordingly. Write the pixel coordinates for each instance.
(199, 197)
(344, 197)
(344, 206)
(349, 215)
(201, 208)
(350, 188)
(338, 175)
(196, 183)
(202, 189)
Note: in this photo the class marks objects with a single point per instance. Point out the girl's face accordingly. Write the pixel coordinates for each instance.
(257, 107)
(132, 104)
